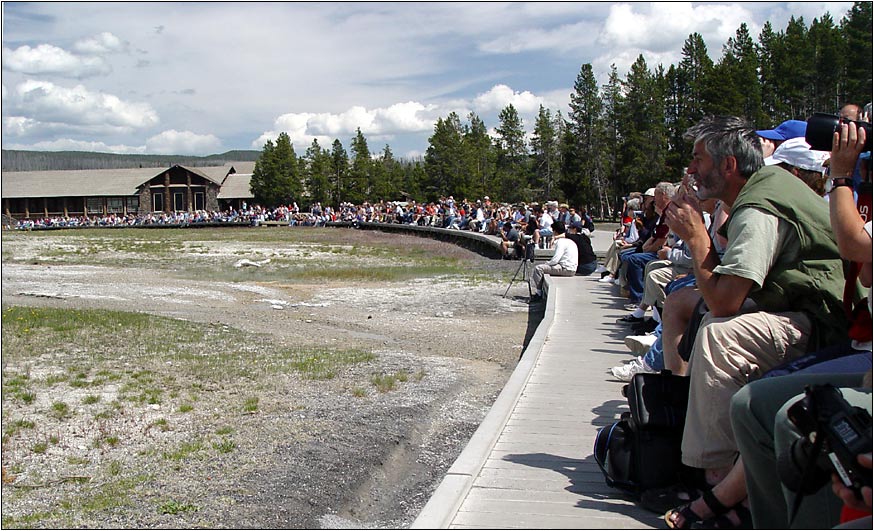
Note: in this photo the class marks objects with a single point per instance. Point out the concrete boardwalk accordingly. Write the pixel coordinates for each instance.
(530, 463)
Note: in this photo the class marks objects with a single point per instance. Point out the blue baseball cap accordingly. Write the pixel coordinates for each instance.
(785, 131)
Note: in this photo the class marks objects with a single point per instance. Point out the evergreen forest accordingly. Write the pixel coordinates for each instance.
(624, 135)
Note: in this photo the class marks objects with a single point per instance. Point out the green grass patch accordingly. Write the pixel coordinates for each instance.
(225, 446)
(175, 507)
(90, 399)
(323, 364)
(161, 423)
(40, 447)
(224, 430)
(184, 450)
(14, 427)
(185, 408)
(60, 411)
(250, 404)
(359, 392)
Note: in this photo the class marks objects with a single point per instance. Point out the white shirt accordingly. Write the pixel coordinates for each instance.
(566, 254)
(546, 221)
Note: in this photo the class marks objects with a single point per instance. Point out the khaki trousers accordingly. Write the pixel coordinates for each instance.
(728, 353)
(536, 280)
(655, 277)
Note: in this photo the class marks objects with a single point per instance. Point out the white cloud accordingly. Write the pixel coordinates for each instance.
(46, 59)
(174, 142)
(562, 39)
(102, 43)
(378, 124)
(68, 144)
(18, 125)
(46, 102)
(499, 96)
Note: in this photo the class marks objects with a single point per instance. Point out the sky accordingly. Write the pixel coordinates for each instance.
(200, 78)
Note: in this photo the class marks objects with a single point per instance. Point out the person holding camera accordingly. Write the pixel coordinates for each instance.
(563, 263)
(767, 415)
(510, 238)
(773, 295)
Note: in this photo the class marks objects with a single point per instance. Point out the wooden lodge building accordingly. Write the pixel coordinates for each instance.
(74, 193)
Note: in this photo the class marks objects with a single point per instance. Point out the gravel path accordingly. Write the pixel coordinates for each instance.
(316, 453)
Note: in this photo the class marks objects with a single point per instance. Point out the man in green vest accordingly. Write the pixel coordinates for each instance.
(775, 294)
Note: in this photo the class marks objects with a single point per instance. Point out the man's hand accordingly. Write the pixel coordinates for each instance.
(847, 144)
(848, 496)
(683, 215)
(663, 253)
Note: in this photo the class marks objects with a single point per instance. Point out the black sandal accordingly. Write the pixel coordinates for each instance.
(745, 520)
(692, 520)
(661, 500)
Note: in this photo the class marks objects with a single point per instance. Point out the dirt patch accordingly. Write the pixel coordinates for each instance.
(335, 453)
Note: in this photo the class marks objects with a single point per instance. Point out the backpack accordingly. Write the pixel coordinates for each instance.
(641, 451)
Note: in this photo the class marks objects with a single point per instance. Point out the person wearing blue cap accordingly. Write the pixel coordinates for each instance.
(772, 138)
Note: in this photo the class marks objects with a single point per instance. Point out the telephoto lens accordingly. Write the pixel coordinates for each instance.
(821, 127)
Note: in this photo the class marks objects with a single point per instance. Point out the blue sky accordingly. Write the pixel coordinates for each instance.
(200, 78)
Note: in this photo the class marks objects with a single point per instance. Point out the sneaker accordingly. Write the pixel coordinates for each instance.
(617, 281)
(629, 319)
(640, 329)
(607, 280)
(640, 345)
(645, 327)
(627, 371)
(600, 269)
(631, 306)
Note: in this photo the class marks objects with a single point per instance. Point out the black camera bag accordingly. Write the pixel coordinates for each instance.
(642, 450)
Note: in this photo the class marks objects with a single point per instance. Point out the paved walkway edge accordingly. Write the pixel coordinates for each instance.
(450, 494)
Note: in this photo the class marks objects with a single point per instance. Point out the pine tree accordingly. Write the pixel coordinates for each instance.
(275, 179)
(586, 107)
(512, 161)
(545, 152)
(829, 65)
(643, 146)
(359, 185)
(318, 173)
(856, 27)
(479, 157)
(612, 139)
(444, 158)
(768, 53)
(339, 171)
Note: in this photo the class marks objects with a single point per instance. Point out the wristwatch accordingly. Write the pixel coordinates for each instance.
(835, 182)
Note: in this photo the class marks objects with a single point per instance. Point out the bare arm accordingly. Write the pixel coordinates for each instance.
(724, 294)
(853, 242)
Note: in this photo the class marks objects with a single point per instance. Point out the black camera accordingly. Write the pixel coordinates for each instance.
(529, 251)
(821, 128)
(835, 434)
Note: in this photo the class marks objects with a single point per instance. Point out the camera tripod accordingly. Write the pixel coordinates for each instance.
(523, 267)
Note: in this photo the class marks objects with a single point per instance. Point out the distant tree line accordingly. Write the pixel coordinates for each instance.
(622, 136)
(20, 160)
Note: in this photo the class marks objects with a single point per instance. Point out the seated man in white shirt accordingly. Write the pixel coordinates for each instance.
(563, 263)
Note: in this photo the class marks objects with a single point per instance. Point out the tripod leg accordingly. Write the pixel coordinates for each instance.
(529, 284)
(514, 277)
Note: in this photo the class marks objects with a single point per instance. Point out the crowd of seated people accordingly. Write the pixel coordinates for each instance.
(482, 215)
(746, 274)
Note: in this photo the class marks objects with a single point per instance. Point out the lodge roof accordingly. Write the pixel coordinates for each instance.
(236, 186)
(100, 183)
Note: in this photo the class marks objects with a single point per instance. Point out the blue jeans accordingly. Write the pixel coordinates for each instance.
(655, 356)
(587, 269)
(634, 272)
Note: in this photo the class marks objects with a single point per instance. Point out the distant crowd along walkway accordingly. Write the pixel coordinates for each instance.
(530, 463)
